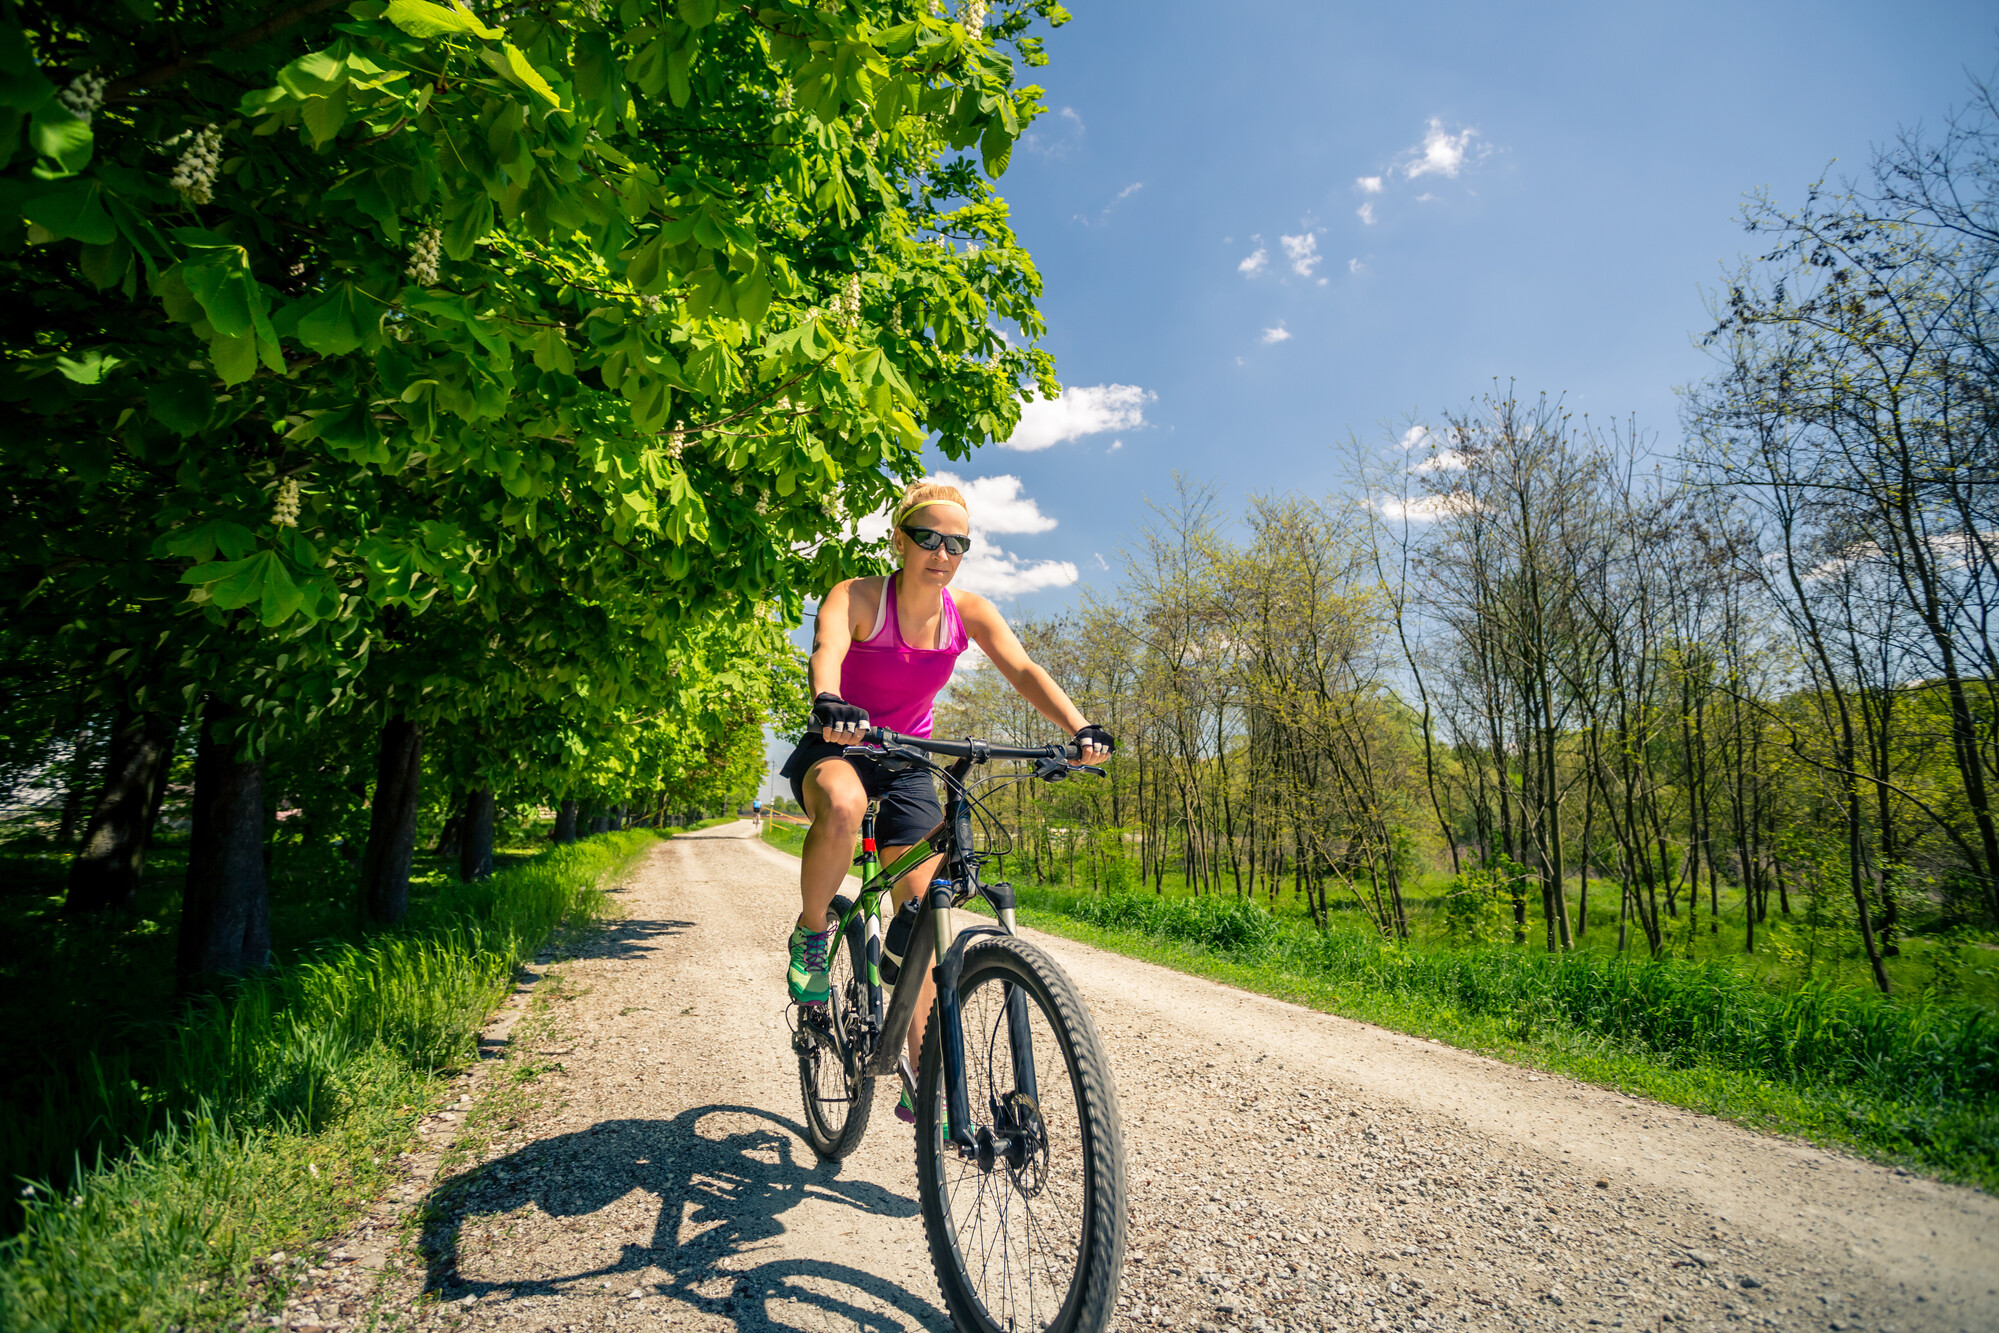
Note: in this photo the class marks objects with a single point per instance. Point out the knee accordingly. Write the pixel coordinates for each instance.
(847, 810)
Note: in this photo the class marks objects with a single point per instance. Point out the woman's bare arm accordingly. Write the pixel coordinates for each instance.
(832, 635)
(999, 643)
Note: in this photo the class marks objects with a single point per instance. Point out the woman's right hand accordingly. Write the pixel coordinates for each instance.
(840, 722)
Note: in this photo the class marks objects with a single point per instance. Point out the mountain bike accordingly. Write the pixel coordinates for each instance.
(1019, 1148)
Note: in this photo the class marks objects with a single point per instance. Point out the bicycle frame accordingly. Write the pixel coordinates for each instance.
(937, 932)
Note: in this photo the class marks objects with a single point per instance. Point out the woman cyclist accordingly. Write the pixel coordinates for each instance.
(881, 651)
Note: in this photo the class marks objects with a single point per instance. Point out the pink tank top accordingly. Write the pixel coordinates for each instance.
(894, 681)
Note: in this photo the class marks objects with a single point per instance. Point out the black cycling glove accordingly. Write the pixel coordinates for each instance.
(1093, 734)
(830, 710)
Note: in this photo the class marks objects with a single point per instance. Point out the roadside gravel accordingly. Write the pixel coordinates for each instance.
(629, 1157)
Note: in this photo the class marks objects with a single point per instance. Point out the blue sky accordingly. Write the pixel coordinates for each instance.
(1548, 191)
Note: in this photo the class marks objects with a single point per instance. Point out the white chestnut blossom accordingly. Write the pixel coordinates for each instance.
(194, 174)
(83, 96)
(422, 268)
(676, 440)
(847, 305)
(284, 512)
(784, 96)
(973, 15)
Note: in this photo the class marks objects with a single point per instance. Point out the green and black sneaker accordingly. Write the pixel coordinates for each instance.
(807, 974)
(905, 1111)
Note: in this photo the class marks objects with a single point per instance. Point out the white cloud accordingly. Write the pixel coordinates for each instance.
(1366, 213)
(1080, 411)
(1444, 460)
(1115, 446)
(1368, 184)
(1355, 266)
(1101, 562)
(1422, 509)
(1132, 189)
(1303, 252)
(1055, 138)
(992, 572)
(1414, 436)
(997, 504)
(1253, 264)
(1441, 153)
(1276, 335)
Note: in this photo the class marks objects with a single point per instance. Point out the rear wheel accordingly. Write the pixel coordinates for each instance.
(1027, 1233)
(829, 1041)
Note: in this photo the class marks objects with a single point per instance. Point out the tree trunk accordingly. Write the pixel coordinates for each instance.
(225, 920)
(385, 865)
(565, 822)
(451, 838)
(475, 848)
(105, 874)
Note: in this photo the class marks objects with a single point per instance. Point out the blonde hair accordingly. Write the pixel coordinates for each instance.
(929, 493)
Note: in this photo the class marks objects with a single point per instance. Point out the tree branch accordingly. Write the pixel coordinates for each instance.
(174, 69)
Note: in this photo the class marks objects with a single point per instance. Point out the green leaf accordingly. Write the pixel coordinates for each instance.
(677, 67)
(419, 18)
(220, 280)
(65, 142)
(336, 322)
(90, 368)
(551, 353)
(995, 147)
(231, 538)
(312, 75)
(181, 403)
(698, 13)
(469, 227)
(234, 356)
(644, 271)
(281, 597)
(106, 265)
(73, 210)
(233, 583)
(527, 76)
(324, 116)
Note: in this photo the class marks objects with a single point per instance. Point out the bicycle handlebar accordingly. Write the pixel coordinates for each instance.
(968, 749)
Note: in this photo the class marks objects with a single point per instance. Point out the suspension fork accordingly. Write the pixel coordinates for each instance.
(951, 1033)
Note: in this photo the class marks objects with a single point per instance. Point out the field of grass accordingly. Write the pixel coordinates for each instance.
(1791, 1040)
(208, 1135)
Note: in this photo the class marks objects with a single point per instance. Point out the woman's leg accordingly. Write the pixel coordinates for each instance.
(836, 801)
(906, 888)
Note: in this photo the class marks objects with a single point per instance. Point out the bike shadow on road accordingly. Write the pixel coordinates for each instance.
(720, 1201)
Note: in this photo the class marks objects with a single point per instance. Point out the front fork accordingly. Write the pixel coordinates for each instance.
(951, 1037)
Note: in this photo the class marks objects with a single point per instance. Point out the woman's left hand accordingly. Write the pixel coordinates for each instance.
(1095, 743)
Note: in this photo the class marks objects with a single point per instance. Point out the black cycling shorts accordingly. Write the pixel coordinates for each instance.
(909, 805)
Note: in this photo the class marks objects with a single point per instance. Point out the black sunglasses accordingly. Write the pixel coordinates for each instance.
(930, 539)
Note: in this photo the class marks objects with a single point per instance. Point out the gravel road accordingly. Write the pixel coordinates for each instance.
(629, 1156)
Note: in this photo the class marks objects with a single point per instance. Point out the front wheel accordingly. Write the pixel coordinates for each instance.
(1028, 1232)
(831, 1047)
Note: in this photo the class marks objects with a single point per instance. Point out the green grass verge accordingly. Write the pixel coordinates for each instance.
(270, 1115)
(1913, 1081)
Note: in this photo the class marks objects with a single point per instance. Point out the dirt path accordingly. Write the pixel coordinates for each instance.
(631, 1159)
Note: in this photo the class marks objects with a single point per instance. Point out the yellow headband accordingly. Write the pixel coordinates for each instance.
(915, 505)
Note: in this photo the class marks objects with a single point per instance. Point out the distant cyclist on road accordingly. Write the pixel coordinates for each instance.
(882, 650)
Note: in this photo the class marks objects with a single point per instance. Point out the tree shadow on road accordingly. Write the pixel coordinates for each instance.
(720, 1201)
(626, 937)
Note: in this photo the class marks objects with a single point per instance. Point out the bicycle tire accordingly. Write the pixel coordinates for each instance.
(994, 1302)
(834, 1126)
